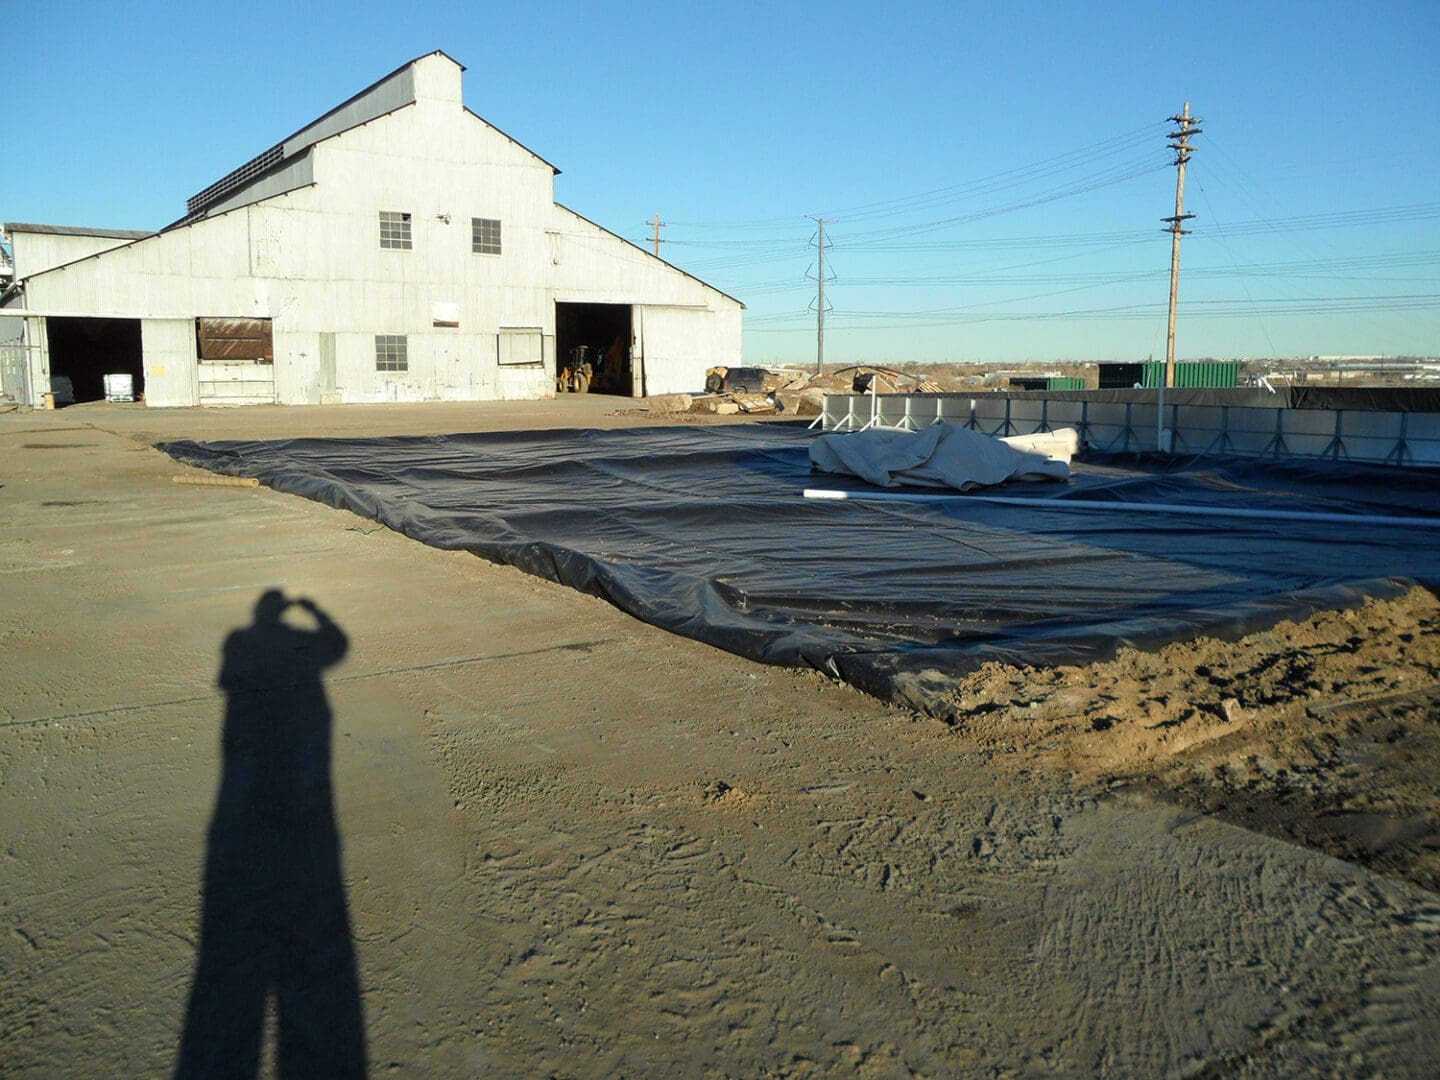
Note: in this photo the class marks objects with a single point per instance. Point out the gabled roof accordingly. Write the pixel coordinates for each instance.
(647, 254)
(76, 230)
(517, 142)
(286, 166)
(385, 95)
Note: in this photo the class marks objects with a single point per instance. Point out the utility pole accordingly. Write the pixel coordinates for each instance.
(820, 300)
(658, 224)
(1179, 142)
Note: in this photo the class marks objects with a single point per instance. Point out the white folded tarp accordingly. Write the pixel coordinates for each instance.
(944, 456)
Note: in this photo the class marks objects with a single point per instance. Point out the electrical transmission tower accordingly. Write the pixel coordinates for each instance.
(1180, 143)
(820, 297)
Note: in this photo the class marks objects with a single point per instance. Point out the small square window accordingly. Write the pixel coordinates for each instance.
(394, 230)
(391, 353)
(485, 236)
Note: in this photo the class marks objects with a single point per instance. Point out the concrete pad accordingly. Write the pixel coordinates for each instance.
(573, 844)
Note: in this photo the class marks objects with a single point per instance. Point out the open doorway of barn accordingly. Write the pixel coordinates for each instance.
(602, 336)
(86, 350)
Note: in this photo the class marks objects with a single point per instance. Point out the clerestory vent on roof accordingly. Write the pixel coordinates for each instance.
(236, 179)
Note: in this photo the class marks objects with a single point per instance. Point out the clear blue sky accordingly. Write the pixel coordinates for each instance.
(1033, 131)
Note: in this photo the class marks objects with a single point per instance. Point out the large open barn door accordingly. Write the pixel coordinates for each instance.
(601, 336)
(83, 351)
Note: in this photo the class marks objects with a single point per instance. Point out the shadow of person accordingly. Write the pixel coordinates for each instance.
(275, 924)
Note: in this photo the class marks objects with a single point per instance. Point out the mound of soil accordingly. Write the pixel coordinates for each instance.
(1324, 733)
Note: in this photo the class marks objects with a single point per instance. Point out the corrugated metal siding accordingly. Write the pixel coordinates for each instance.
(236, 382)
(15, 365)
(310, 260)
(38, 252)
(1052, 382)
(393, 93)
(171, 372)
(1195, 373)
(293, 174)
(678, 345)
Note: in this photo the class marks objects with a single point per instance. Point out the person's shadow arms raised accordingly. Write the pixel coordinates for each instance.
(275, 923)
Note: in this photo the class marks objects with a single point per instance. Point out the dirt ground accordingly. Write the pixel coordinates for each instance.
(574, 845)
(1324, 733)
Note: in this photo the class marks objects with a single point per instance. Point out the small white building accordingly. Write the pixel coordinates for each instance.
(399, 248)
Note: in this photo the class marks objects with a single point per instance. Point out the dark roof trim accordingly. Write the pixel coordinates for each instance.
(512, 138)
(361, 93)
(651, 255)
(76, 230)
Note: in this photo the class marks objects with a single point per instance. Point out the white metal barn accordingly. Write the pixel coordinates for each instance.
(399, 248)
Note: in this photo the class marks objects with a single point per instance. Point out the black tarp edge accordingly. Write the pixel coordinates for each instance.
(914, 674)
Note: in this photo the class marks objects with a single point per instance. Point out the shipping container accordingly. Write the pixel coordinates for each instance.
(1121, 376)
(1188, 373)
(1196, 373)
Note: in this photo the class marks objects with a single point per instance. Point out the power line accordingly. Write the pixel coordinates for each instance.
(862, 230)
(1306, 241)
(1264, 330)
(1299, 223)
(1109, 178)
(1212, 309)
(1008, 178)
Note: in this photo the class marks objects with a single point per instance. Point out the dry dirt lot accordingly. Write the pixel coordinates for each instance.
(574, 845)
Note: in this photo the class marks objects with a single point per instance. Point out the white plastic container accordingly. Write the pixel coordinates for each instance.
(120, 387)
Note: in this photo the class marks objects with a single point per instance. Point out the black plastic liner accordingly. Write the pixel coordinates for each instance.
(704, 531)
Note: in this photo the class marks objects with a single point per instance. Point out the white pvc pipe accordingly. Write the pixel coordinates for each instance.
(1160, 418)
(1143, 508)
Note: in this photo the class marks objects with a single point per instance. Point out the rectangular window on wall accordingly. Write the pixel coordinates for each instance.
(394, 230)
(245, 340)
(391, 353)
(485, 236)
